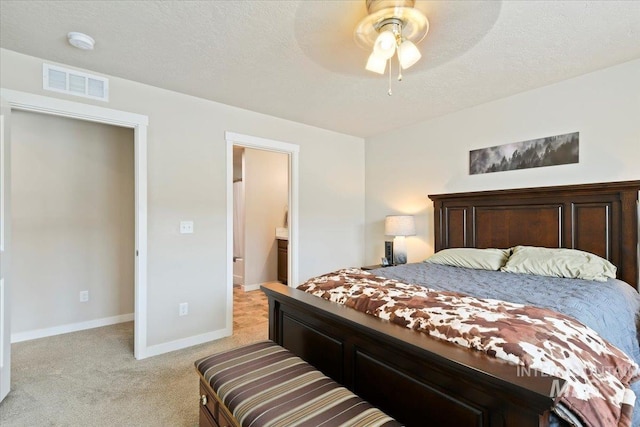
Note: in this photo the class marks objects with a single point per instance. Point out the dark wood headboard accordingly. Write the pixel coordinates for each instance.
(597, 218)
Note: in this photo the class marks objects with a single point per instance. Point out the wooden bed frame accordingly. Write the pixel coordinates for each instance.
(421, 380)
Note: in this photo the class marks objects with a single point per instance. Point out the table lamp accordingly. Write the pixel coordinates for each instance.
(399, 226)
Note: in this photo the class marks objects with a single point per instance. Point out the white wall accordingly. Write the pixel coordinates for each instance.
(404, 166)
(72, 219)
(266, 190)
(186, 181)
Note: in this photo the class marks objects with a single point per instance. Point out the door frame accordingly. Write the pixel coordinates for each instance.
(24, 101)
(5, 231)
(293, 151)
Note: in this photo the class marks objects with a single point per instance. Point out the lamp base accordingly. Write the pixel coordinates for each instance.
(399, 250)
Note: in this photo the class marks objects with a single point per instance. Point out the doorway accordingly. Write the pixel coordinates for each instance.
(270, 146)
(35, 103)
(72, 216)
(260, 217)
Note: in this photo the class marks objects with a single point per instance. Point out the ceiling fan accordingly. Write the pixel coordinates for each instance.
(392, 27)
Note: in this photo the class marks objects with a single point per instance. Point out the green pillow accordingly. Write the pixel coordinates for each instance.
(480, 259)
(569, 263)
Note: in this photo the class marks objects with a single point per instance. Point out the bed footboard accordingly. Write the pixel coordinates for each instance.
(412, 377)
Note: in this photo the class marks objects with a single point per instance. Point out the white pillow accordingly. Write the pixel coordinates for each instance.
(569, 263)
(480, 259)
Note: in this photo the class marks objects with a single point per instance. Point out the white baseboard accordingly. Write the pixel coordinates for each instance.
(256, 287)
(155, 350)
(237, 279)
(70, 327)
(248, 288)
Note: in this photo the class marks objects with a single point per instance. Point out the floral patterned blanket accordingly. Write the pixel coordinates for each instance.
(597, 374)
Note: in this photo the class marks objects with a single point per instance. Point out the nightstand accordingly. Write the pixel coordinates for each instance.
(371, 267)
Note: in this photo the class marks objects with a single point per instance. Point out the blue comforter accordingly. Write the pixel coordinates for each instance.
(611, 308)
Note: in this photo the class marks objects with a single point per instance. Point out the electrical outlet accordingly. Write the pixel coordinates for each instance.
(84, 296)
(186, 227)
(183, 309)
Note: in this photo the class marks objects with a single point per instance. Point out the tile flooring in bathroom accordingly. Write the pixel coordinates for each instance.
(250, 309)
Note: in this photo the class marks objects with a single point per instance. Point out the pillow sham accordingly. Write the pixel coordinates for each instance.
(480, 259)
(568, 263)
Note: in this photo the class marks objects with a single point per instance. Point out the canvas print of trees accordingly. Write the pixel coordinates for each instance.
(535, 153)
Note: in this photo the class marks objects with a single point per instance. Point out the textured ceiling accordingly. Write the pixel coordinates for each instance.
(297, 59)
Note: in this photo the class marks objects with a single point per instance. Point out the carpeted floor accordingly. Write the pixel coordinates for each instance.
(90, 378)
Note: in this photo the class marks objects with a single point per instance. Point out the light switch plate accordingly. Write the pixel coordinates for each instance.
(186, 227)
(84, 296)
(183, 309)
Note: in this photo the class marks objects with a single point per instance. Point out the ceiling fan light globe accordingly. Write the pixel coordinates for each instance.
(408, 54)
(376, 63)
(385, 45)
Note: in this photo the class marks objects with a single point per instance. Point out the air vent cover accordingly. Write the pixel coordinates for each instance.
(74, 82)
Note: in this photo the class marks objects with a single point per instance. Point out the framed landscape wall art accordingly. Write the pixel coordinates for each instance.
(535, 153)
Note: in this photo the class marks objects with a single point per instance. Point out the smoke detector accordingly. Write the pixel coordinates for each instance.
(80, 40)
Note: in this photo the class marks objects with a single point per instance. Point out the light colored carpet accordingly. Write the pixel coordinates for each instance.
(90, 378)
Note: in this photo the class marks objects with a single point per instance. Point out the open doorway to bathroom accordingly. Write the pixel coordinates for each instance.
(262, 220)
(260, 217)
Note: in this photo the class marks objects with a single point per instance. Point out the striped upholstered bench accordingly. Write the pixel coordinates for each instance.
(263, 384)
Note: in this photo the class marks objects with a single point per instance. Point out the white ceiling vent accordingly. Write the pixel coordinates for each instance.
(74, 82)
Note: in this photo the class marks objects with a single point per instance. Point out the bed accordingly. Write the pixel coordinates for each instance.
(421, 380)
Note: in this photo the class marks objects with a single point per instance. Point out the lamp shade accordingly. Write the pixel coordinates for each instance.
(399, 225)
(376, 63)
(408, 54)
(385, 45)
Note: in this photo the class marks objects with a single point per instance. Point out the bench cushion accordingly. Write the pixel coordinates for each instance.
(263, 384)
